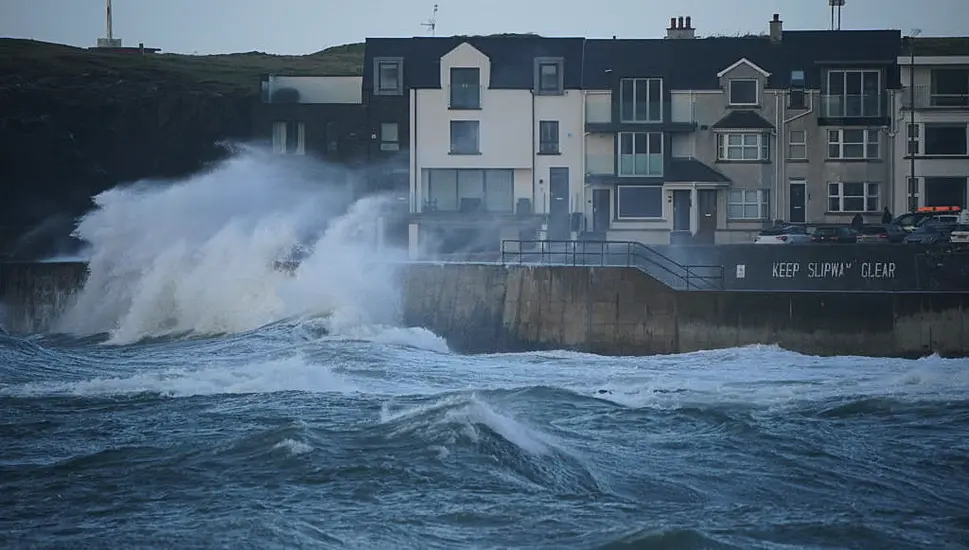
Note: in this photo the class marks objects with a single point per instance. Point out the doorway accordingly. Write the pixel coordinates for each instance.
(682, 204)
(601, 210)
(798, 202)
(558, 206)
(706, 231)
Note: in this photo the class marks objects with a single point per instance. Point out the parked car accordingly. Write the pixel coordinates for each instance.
(882, 233)
(835, 234)
(911, 220)
(930, 233)
(960, 233)
(787, 234)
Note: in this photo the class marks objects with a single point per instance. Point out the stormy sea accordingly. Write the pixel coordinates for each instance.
(196, 395)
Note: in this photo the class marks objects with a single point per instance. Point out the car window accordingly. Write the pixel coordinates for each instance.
(874, 229)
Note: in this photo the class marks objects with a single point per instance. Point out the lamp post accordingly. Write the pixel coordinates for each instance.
(911, 121)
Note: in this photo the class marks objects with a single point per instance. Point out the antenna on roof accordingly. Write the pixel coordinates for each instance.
(836, 6)
(431, 23)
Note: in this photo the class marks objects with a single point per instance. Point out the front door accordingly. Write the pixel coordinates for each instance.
(706, 231)
(558, 208)
(681, 210)
(798, 196)
(601, 213)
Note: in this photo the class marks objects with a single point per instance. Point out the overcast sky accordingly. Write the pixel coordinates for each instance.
(303, 26)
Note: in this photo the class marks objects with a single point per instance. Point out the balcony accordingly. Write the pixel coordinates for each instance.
(873, 105)
(927, 98)
(464, 97)
(600, 165)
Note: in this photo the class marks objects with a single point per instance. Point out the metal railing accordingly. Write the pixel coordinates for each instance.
(871, 105)
(613, 254)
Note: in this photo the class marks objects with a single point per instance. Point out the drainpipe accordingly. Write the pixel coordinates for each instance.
(582, 151)
(779, 153)
(911, 120)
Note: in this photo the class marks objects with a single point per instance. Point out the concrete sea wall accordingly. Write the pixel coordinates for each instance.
(484, 308)
(621, 311)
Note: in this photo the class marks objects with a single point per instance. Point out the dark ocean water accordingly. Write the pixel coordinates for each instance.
(285, 438)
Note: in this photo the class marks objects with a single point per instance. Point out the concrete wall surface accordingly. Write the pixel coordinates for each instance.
(485, 308)
(622, 311)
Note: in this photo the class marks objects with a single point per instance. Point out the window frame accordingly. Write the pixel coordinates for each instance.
(844, 93)
(840, 196)
(649, 141)
(636, 82)
(459, 106)
(791, 144)
(733, 81)
(925, 127)
(652, 188)
(378, 89)
(763, 146)
(865, 144)
(430, 200)
(559, 64)
(961, 99)
(477, 133)
(281, 137)
(761, 204)
(389, 145)
(554, 145)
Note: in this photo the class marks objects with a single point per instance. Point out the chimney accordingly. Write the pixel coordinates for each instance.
(681, 27)
(776, 29)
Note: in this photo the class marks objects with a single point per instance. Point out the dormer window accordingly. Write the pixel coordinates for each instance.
(743, 92)
(388, 76)
(548, 76)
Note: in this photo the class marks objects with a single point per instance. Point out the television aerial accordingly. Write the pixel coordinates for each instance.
(431, 24)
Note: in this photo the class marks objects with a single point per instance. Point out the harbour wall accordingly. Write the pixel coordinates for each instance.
(622, 311)
(485, 308)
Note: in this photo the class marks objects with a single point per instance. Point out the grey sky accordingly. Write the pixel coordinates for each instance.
(303, 26)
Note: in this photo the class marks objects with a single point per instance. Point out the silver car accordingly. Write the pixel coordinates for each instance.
(785, 234)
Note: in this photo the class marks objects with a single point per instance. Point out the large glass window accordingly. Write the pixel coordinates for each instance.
(641, 100)
(640, 202)
(640, 154)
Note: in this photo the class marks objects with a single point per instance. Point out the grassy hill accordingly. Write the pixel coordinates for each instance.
(40, 62)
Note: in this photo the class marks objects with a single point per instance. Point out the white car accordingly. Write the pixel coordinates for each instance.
(786, 234)
(960, 234)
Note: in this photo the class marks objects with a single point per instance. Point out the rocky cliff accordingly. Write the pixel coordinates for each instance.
(74, 122)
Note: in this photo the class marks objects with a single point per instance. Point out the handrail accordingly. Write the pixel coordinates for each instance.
(616, 254)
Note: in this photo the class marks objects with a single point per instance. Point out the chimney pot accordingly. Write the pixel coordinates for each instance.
(672, 22)
(777, 17)
(689, 22)
(679, 22)
(776, 29)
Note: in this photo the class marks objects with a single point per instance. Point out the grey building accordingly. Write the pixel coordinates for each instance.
(738, 132)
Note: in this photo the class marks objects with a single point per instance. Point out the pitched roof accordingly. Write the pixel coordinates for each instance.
(743, 61)
(742, 120)
(693, 64)
(512, 58)
(692, 170)
(938, 46)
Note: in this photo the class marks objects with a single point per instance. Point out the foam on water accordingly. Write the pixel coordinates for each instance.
(198, 256)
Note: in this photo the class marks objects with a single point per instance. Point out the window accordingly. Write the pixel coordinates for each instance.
(945, 139)
(743, 92)
(914, 141)
(945, 191)
(548, 76)
(641, 100)
(748, 204)
(797, 145)
(447, 190)
(548, 137)
(289, 138)
(750, 147)
(464, 137)
(640, 202)
(852, 197)
(640, 154)
(798, 95)
(853, 144)
(465, 88)
(389, 140)
(853, 93)
(950, 88)
(388, 76)
(913, 194)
